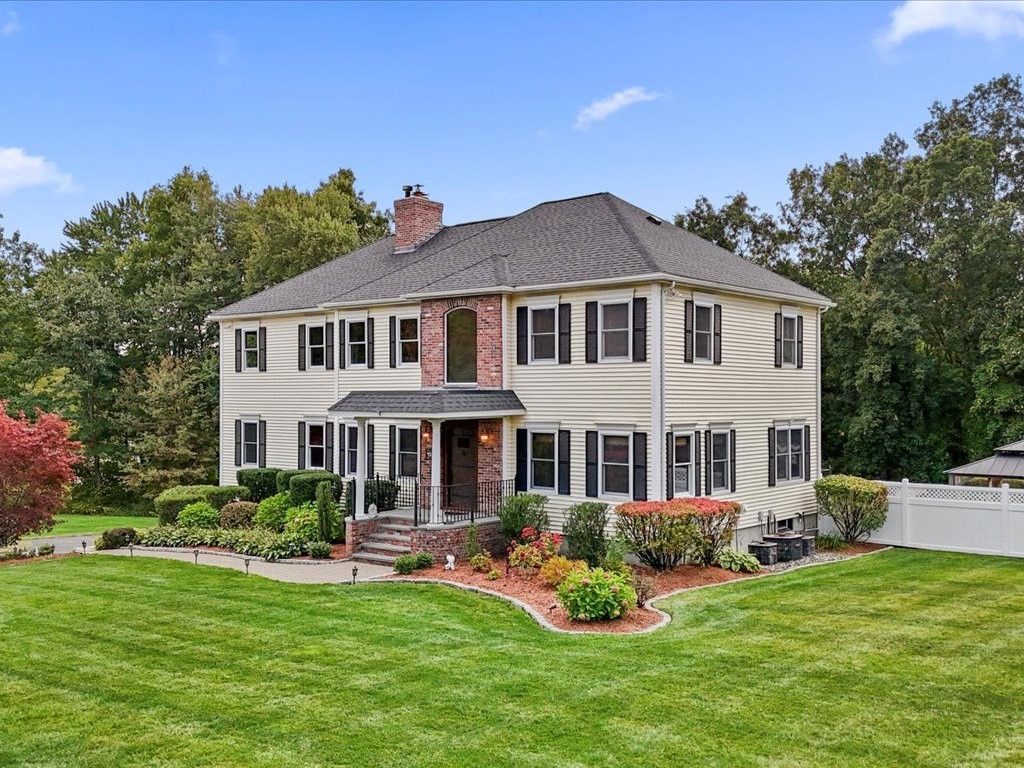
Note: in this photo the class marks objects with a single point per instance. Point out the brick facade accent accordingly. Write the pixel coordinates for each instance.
(417, 218)
(488, 339)
(451, 540)
(488, 457)
(358, 531)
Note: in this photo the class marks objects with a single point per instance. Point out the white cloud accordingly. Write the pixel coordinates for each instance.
(605, 108)
(990, 19)
(9, 25)
(19, 170)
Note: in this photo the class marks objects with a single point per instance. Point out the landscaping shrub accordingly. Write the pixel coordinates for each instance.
(115, 538)
(303, 523)
(199, 514)
(660, 533)
(302, 486)
(738, 562)
(238, 514)
(534, 550)
(481, 562)
(320, 550)
(595, 594)
(328, 516)
(644, 588)
(554, 571)
(856, 506)
(715, 523)
(493, 575)
(524, 510)
(615, 557)
(169, 503)
(472, 545)
(284, 478)
(12, 553)
(255, 543)
(405, 564)
(45, 549)
(424, 559)
(219, 495)
(584, 531)
(270, 515)
(830, 541)
(262, 483)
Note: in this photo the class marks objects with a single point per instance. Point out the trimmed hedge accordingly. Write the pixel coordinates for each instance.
(284, 478)
(199, 514)
(116, 538)
(302, 486)
(261, 482)
(169, 503)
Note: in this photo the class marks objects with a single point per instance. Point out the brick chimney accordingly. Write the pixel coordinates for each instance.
(417, 219)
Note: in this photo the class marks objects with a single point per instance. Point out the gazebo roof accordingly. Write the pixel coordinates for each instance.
(1008, 461)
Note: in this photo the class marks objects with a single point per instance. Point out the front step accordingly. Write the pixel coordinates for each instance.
(403, 528)
(370, 557)
(391, 538)
(384, 548)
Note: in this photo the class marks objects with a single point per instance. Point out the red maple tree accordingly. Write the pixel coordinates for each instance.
(37, 460)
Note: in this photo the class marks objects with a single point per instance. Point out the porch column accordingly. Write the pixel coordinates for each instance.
(435, 471)
(360, 510)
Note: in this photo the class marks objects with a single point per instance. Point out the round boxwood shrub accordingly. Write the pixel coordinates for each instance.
(271, 513)
(116, 538)
(238, 514)
(170, 503)
(261, 482)
(319, 550)
(199, 514)
(595, 594)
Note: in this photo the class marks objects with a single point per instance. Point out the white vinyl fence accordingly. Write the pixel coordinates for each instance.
(954, 518)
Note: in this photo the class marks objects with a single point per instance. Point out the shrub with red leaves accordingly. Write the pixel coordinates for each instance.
(663, 533)
(37, 460)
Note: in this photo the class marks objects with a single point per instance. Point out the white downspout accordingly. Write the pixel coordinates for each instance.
(656, 475)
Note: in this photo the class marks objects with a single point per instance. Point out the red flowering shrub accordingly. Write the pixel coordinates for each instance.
(662, 533)
(715, 523)
(533, 549)
(36, 469)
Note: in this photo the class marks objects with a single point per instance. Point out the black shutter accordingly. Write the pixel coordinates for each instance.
(707, 462)
(521, 469)
(392, 342)
(263, 349)
(392, 447)
(522, 336)
(771, 456)
(301, 464)
(732, 461)
(238, 442)
(591, 326)
(238, 350)
(342, 455)
(369, 343)
(718, 335)
(669, 465)
(639, 331)
(807, 453)
(639, 466)
(778, 339)
(591, 463)
(341, 344)
(369, 450)
(329, 346)
(799, 341)
(688, 344)
(565, 333)
(262, 436)
(328, 446)
(696, 462)
(564, 465)
(302, 347)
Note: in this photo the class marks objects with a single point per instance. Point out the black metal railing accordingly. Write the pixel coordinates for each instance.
(462, 501)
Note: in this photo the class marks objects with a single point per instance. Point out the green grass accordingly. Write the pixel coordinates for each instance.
(899, 659)
(84, 525)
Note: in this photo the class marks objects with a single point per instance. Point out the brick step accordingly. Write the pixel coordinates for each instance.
(382, 547)
(390, 538)
(372, 557)
(395, 527)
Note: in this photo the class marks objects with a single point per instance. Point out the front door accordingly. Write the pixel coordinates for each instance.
(461, 475)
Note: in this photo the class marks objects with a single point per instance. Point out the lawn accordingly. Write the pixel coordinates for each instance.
(85, 525)
(898, 659)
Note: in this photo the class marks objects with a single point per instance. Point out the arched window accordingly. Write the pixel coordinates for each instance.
(460, 346)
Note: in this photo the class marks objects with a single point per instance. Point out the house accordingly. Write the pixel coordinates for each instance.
(584, 349)
(1006, 466)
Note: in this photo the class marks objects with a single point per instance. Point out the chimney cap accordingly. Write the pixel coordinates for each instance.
(419, 191)
(407, 189)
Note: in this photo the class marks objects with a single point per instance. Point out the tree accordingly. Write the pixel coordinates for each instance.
(738, 226)
(36, 468)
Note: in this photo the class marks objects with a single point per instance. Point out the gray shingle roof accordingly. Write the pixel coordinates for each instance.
(1007, 462)
(425, 403)
(596, 237)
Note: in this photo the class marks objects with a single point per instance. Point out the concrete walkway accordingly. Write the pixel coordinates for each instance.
(61, 544)
(305, 572)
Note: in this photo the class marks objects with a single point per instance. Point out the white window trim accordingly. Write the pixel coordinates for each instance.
(601, 493)
(316, 423)
(398, 448)
(246, 368)
(346, 425)
(727, 489)
(789, 426)
(365, 320)
(791, 313)
(538, 430)
(708, 304)
(456, 384)
(628, 357)
(251, 420)
(691, 432)
(399, 317)
(309, 347)
(529, 331)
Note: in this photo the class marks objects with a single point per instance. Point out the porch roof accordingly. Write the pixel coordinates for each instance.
(431, 404)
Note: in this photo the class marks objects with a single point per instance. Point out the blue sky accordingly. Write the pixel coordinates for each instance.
(492, 107)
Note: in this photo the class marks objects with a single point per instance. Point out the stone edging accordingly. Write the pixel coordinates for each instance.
(664, 619)
(237, 556)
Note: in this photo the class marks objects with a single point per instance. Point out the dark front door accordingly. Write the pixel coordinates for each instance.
(461, 473)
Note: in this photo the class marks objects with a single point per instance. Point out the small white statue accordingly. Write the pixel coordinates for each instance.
(449, 562)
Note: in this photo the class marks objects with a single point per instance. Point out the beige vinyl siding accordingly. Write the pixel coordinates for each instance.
(746, 391)
(579, 395)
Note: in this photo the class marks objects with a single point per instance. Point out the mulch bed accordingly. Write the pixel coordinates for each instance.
(538, 595)
(40, 559)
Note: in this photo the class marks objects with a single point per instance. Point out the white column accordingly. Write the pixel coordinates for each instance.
(656, 475)
(360, 509)
(435, 471)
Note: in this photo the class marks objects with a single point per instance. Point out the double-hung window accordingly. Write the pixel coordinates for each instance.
(543, 335)
(615, 462)
(703, 332)
(250, 443)
(543, 465)
(315, 445)
(408, 452)
(789, 340)
(409, 340)
(356, 343)
(351, 449)
(316, 346)
(682, 464)
(250, 349)
(614, 330)
(721, 469)
(789, 454)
